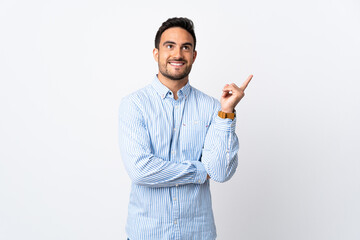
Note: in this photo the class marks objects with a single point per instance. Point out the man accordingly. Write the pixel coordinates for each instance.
(173, 140)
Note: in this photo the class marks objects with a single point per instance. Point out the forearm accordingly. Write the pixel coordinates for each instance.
(221, 143)
(219, 155)
(151, 171)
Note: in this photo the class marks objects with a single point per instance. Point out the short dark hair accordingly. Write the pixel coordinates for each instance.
(182, 22)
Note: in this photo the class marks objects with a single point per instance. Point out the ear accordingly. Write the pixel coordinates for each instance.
(156, 54)
(194, 56)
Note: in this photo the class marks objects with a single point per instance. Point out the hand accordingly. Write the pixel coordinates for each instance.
(232, 95)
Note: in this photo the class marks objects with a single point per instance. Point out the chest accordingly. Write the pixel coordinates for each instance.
(177, 129)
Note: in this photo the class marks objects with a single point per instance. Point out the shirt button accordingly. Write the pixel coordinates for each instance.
(177, 185)
(174, 129)
(176, 106)
(174, 198)
(199, 181)
(175, 222)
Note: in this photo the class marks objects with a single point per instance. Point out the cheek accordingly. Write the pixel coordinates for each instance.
(162, 58)
(191, 60)
(190, 57)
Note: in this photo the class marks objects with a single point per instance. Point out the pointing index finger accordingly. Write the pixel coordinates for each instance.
(246, 83)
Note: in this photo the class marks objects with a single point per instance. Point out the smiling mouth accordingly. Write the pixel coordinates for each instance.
(176, 64)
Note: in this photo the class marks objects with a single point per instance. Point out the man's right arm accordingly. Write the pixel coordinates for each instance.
(143, 167)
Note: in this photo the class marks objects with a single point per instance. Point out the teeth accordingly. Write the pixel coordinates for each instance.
(176, 64)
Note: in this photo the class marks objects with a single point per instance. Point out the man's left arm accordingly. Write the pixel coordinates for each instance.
(221, 145)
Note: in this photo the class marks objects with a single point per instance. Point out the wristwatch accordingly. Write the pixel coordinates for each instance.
(226, 115)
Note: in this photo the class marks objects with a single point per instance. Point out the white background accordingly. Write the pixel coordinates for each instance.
(65, 65)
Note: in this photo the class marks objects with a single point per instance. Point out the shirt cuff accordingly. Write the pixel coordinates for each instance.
(201, 174)
(225, 124)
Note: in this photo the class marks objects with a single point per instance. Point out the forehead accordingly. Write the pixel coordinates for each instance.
(177, 35)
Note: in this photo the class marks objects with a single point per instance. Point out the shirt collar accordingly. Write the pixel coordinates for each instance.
(163, 91)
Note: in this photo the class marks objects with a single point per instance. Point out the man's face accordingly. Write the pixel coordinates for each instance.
(176, 54)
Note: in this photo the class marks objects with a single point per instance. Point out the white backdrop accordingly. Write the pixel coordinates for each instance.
(65, 65)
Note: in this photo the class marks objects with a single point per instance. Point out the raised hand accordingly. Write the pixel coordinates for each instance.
(232, 95)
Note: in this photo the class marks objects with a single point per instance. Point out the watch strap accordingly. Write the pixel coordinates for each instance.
(226, 115)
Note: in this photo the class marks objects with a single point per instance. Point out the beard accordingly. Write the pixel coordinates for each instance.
(163, 69)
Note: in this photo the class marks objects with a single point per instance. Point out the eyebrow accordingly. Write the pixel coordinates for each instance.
(171, 42)
(187, 43)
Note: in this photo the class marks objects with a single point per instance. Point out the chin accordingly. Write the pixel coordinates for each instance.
(175, 77)
(178, 77)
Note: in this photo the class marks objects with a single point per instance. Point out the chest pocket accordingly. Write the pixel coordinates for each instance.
(192, 137)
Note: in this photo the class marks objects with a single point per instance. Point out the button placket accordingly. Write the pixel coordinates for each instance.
(177, 116)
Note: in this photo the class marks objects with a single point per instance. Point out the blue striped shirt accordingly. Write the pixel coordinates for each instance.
(168, 147)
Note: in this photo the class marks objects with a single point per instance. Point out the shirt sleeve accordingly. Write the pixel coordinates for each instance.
(143, 167)
(221, 145)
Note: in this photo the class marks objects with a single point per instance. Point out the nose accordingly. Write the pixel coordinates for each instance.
(178, 53)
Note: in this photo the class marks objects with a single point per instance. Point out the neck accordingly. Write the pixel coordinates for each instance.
(173, 85)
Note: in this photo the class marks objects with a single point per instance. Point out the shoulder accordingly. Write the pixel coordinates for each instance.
(204, 99)
(136, 102)
(138, 97)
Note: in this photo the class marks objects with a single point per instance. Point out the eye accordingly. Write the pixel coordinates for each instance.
(169, 46)
(186, 47)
